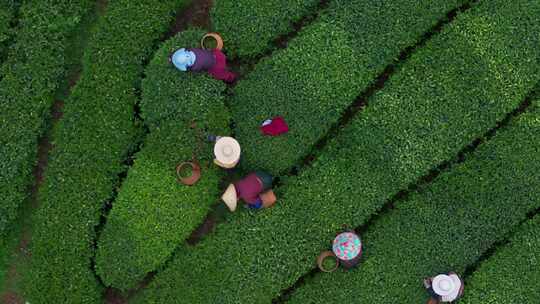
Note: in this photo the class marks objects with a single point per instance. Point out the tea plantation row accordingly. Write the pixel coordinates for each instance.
(91, 142)
(29, 79)
(511, 275)
(153, 213)
(446, 226)
(446, 95)
(322, 72)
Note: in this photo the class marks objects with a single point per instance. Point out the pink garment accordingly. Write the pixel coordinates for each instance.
(249, 188)
(275, 126)
(219, 71)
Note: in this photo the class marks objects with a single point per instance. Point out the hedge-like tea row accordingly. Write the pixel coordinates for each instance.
(153, 213)
(8, 10)
(445, 227)
(91, 141)
(441, 99)
(248, 27)
(512, 275)
(322, 72)
(29, 79)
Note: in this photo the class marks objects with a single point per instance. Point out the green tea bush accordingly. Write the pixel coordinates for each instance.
(445, 227)
(512, 274)
(248, 27)
(8, 11)
(441, 99)
(153, 213)
(91, 142)
(28, 81)
(322, 71)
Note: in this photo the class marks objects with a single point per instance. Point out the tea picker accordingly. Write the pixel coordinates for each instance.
(200, 59)
(346, 251)
(254, 190)
(444, 288)
(226, 151)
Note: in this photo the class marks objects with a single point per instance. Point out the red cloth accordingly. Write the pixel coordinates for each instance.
(249, 188)
(219, 71)
(276, 127)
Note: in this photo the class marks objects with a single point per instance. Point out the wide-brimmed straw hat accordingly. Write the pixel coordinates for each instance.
(227, 150)
(446, 285)
(230, 197)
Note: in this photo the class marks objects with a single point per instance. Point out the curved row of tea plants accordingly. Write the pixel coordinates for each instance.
(446, 226)
(153, 213)
(512, 274)
(322, 72)
(91, 142)
(29, 79)
(441, 99)
(248, 27)
(8, 12)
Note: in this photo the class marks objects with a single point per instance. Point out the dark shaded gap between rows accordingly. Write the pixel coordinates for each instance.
(471, 269)
(244, 66)
(423, 182)
(74, 62)
(194, 14)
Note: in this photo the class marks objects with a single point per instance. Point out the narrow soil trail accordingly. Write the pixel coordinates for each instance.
(22, 255)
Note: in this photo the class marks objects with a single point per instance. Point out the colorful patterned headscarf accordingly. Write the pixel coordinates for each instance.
(347, 246)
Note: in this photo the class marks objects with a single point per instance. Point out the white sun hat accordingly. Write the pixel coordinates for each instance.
(230, 198)
(447, 286)
(227, 151)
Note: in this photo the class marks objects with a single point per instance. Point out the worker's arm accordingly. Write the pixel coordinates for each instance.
(427, 283)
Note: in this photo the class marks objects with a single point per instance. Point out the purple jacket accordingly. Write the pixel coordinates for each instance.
(204, 60)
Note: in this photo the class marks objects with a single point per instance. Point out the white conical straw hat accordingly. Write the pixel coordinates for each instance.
(445, 285)
(227, 150)
(230, 198)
